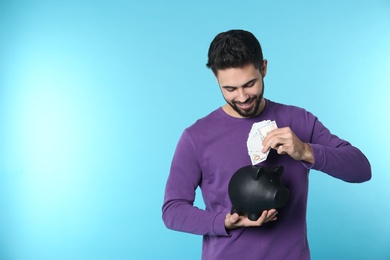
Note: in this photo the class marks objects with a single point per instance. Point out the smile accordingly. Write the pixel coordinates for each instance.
(246, 104)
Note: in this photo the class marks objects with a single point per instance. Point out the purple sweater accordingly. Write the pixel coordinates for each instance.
(211, 150)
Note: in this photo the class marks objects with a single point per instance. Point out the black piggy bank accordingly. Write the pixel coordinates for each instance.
(253, 189)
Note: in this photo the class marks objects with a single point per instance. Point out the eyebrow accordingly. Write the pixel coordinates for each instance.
(244, 85)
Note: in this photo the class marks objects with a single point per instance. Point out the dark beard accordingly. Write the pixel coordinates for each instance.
(255, 109)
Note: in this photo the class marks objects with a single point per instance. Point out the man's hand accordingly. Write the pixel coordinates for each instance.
(284, 141)
(235, 221)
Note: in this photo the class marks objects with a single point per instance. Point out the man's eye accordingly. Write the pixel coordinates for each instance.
(229, 89)
(250, 85)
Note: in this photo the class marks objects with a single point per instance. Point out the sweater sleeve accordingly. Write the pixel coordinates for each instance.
(179, 212)
(337, 157)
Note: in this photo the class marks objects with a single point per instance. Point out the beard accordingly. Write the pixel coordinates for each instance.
(253, 110)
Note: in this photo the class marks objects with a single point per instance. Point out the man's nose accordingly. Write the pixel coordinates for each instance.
(242, 95)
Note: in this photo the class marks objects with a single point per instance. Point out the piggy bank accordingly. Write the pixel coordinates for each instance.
(253, 189)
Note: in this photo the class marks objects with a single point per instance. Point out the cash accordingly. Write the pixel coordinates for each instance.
(256, 136)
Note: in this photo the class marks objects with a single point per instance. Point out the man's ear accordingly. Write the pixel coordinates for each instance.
(263, 68)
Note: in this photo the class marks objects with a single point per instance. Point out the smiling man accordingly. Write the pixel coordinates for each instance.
(243, 98)
(214, 147)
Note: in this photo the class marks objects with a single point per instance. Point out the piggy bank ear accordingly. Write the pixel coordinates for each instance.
(279, 170)
(257, 173)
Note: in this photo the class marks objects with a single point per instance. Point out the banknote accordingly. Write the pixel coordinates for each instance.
(256, 136)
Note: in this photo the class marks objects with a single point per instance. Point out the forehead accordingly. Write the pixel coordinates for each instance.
(236, 77)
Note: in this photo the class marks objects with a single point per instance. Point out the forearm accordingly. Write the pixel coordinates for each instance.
(346, 162)
(183, 216)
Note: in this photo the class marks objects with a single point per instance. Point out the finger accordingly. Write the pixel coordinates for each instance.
(277, 132)
(271, 143)
(272, 212)
(274, 145)
(272, 215)
(281, 149)
(268, 140)
(232, 221)
(262, 218)
(265, 148)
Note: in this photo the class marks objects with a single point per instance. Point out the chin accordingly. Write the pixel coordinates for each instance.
(250, 113)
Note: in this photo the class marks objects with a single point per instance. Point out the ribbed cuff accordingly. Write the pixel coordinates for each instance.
(219, 225)
(319, 158)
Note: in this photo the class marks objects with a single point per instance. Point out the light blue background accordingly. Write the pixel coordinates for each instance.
(95, 94)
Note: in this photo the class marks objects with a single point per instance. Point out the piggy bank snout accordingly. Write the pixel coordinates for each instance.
(281, 197)
(280, 194)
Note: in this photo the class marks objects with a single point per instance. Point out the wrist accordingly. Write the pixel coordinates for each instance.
(308, 154)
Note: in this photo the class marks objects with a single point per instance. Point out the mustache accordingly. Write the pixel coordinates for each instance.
(246, 101)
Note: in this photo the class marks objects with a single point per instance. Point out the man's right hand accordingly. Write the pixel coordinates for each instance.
(235, 221)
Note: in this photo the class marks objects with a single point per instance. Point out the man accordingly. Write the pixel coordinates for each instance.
(212, 149)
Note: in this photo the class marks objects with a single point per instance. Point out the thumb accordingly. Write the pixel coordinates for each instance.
(234, 218)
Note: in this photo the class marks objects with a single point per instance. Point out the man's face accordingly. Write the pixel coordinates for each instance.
(243, 89)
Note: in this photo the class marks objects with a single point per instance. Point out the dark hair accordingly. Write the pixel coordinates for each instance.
(234, 49)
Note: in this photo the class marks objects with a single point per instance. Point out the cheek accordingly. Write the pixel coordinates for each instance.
(257, 91)
(227, 95)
